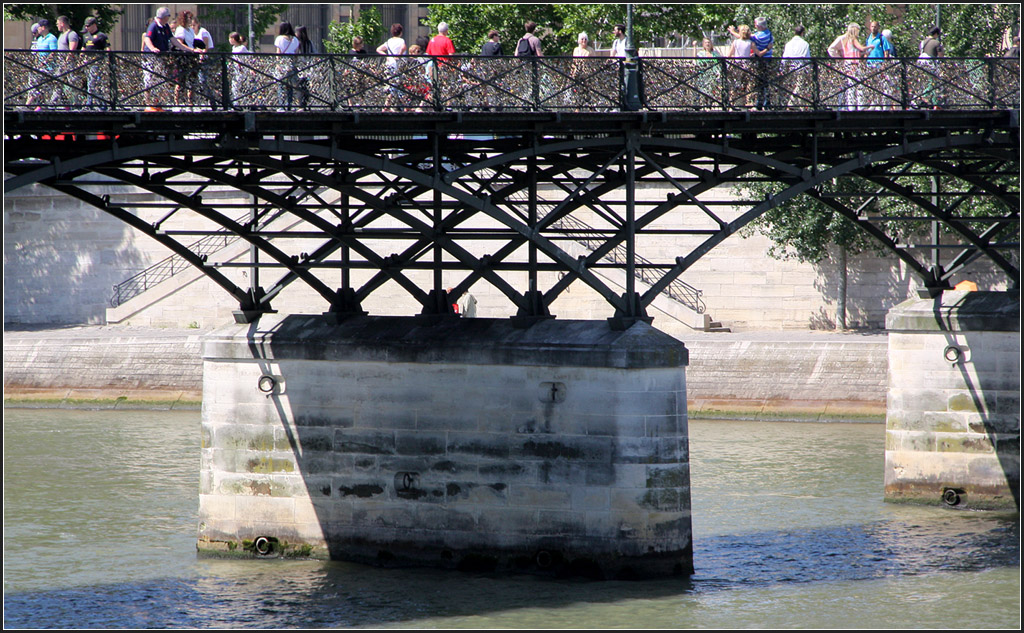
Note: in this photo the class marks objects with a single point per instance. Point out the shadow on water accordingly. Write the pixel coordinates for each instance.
(289, 593)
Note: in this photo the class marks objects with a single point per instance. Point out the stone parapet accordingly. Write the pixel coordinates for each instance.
(462, 443)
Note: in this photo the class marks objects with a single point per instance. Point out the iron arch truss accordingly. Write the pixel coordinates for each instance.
(528, 202)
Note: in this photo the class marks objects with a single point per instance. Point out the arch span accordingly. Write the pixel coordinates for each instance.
(504, 207)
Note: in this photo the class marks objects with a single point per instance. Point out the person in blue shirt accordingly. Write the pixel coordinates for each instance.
(762, 43)
(46, 41)
(42, 45)
(878, 83)
(880, 47)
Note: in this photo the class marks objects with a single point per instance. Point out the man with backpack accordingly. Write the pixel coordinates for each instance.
(529, 44)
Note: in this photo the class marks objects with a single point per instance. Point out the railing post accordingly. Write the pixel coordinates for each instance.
(904, 85)
(226, 98)
(536, 82)
(991, 63)
(435, 83)
(332, 82)
(726, 102)
(112, 69)
(816, 87)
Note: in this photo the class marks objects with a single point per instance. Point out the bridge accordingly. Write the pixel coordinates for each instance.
(529, 175)
(440, 154)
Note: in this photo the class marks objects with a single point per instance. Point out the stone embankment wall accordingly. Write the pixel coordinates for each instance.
(770, 376)
(104, 367)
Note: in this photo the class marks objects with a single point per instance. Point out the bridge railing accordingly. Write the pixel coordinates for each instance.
(131, 81)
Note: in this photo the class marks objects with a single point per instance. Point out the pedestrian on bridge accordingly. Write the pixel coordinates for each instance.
(582, 50)
(619, 41)
(797, 54)
(357, 46)
(849, 50)
(441, 44)
(492, 47)
(709, 74)
(529, 44)
(93, 41)
(241, 73)
(879, 82)
(762, 44)
(931, 49)
(304, 67)
(287, 45)
(394, 48)
(42, 45)
(1014, 51)
(159, 40)
(69, 39)
(740, 50)
(188, 67)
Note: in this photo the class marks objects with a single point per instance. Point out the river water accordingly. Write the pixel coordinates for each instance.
(790, 531)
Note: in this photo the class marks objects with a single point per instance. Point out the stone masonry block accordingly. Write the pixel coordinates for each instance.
(485, 445)
(589, 499)
(265, 512)
(674, 476)
(538, 497)
(364, 441)
(910, 441)
(576, 448)
(420, 443)
(562, 523)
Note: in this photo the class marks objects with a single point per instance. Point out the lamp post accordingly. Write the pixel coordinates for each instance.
(631, 71)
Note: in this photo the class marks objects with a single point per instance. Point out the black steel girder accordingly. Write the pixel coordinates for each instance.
(472, 199)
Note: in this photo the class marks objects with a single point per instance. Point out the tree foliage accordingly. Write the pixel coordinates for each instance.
(263, 17)
(804, 228)
(969, 30)
(107, 14)
(369, 26)
(559, 24)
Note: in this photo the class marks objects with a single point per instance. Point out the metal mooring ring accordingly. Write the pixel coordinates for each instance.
(952, 353)
(262, 546)
(266, 383)
(950, 497)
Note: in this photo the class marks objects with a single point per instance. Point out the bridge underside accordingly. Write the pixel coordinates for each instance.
(346, 202)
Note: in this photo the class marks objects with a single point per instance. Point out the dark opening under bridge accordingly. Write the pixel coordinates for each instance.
(490, 168)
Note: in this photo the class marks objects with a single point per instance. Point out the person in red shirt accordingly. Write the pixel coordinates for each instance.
(441, 44)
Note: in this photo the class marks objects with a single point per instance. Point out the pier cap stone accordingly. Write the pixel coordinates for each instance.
(957, 311)
(474, 341)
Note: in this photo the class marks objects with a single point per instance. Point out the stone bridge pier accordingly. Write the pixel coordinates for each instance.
(953, 415)
(450, 442)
